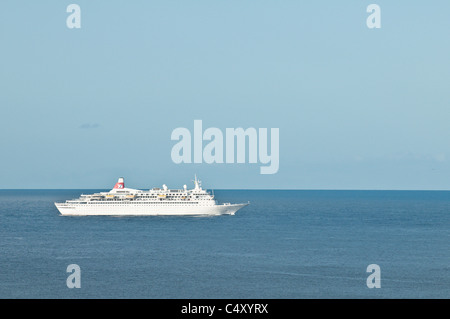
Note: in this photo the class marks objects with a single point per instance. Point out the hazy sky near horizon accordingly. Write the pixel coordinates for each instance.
(356, 108)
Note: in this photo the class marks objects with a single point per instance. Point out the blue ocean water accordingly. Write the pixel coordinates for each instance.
(285, 244)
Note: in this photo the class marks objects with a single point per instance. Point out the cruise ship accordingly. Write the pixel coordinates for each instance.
(122, 201)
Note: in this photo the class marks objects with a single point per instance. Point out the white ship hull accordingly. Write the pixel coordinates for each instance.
(146, 210)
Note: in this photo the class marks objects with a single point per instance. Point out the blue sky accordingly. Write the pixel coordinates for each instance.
(357, 108)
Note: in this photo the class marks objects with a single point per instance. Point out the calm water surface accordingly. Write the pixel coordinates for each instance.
(286, 244)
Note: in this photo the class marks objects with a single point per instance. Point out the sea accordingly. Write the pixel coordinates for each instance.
(287, 244)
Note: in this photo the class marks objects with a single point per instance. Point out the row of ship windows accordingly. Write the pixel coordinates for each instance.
(136, 199)
(145, 201)
(165, 196)
(120, 204)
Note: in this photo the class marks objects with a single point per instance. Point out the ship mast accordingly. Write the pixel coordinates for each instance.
(196, 183)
